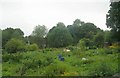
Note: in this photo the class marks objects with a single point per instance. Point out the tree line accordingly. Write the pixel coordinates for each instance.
(63, 36)
(57, 37)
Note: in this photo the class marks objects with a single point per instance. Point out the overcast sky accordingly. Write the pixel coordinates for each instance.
(26, 14)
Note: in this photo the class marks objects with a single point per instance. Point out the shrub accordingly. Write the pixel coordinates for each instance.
(108, 51)
(32, 47)
(115, 46)
(70, 74)
(48, 49)
(101, 69)
(56, 69)
(47, 60)
(14, 45)
(6, 57)
(82, 45)
(11, 57)
(71, 48)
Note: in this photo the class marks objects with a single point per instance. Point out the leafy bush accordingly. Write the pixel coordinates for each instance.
(10, 69)
(32, 47)
(56, 69)
(108, 51)
(82, 45)
(47, 49)
(11, 57)
(115, 46)
(71, 48)
(32, 64)
(73, 61)
(101, 69)
(37, 63)
(98, 39)
(14, 45)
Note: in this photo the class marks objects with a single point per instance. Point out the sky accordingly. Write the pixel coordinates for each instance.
(26, 14)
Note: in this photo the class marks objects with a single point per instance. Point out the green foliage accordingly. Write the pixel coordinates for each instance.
(31, 47)
(40, 41)
(101, 69)
(108, 36)
(14, 45)
(88, 61)
(81, 30)
(39, 31)
(82, 45)
(88, 58)
(10, 33)
(56, 69)
(88, 43)
(17, 33)
(97, 63)
(75, 30)
(48, 49)
(59, 36)
(113, 20)
(11, 69)
(72, 60)
(71, 48)
(78, 22)
(99, 39)
(38, 36)
(12, 57)
(0, 69)
(88, 30)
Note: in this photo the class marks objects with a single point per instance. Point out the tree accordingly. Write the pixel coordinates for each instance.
(59, 36)
(10, 33)
(113, 19)
(82, 45)
(78, 22)
(31, 47)
(88, 30)
(38, 36)
(40, 31)
(74, 30)
(14, 45)
(18, 33)
(108, 36)
(6, 35)
(81, 30)
(99, 39)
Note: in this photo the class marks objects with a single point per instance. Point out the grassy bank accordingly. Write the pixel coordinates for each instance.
(96, 62)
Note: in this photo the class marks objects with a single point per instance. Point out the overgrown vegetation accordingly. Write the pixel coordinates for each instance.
(80, 49)
(38, 63)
